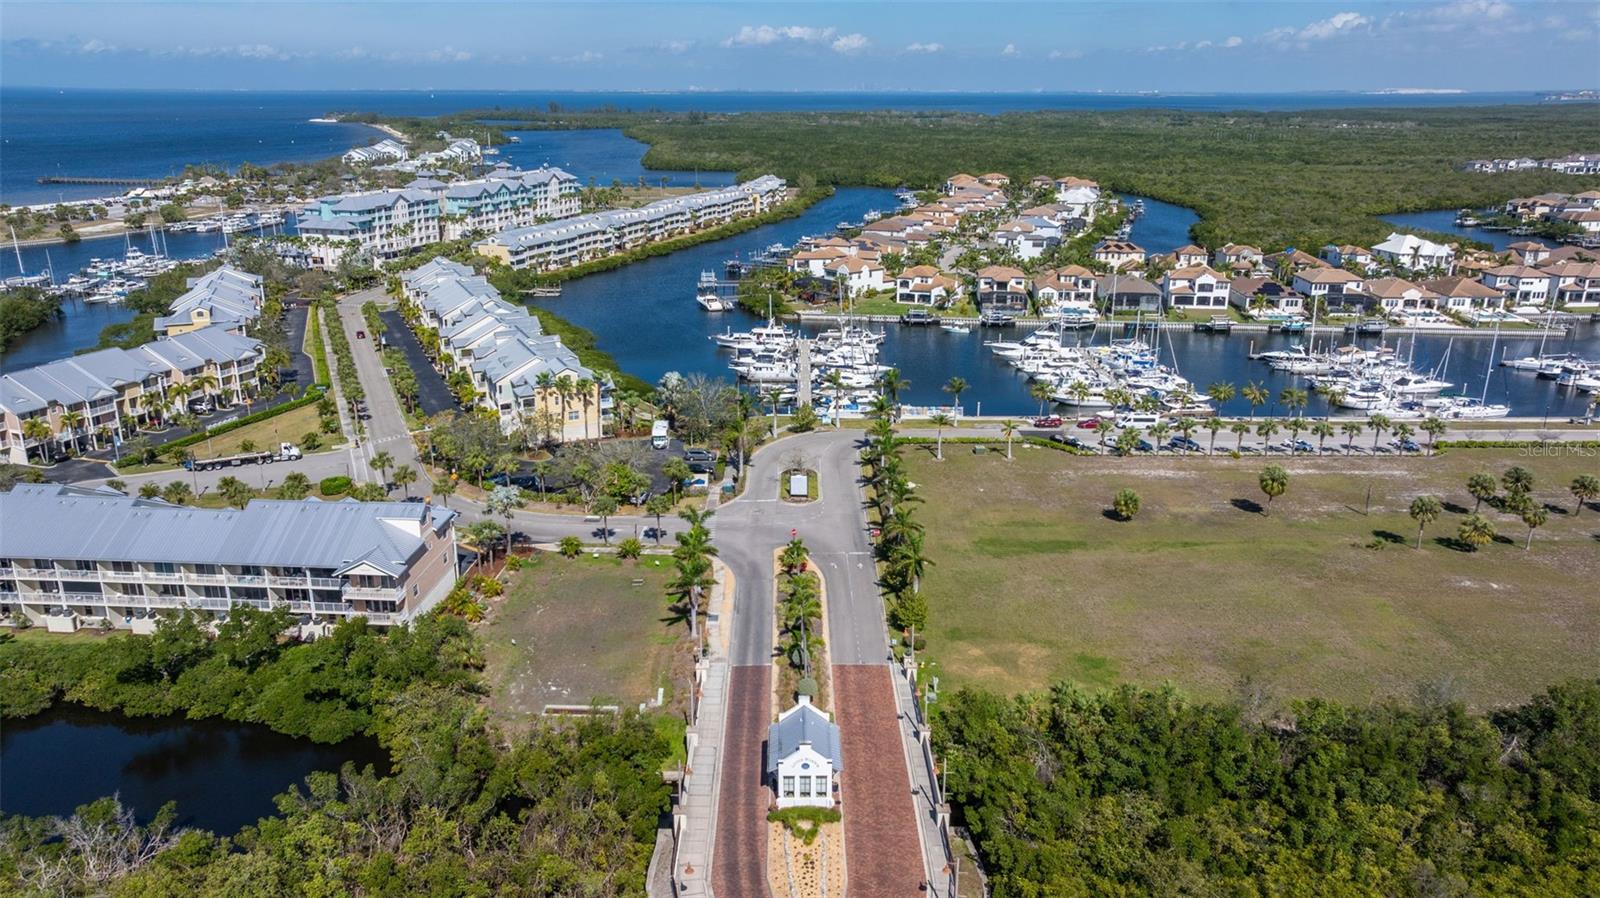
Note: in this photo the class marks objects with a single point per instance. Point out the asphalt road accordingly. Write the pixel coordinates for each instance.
(433, 395)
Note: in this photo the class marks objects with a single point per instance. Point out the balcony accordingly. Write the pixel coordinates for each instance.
(161, 577)
(391, 594)
(34, 573)
(247, 579)
(210, 579)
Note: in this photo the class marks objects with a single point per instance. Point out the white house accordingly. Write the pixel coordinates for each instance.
(1463, 295)
(1195, 287)
(924, 285)
(1118, 254)
(1413, 253)
(1028, 238)
(1079, 195)
(1343, 255)
(1072, 286)
(803, 756)
(1400, 295)
(1264, 295)
(858, 275)
(1577, 283)
(1326, 282)
(1522, 285)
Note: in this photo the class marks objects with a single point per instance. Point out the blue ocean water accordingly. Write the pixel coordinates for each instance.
(112, 133)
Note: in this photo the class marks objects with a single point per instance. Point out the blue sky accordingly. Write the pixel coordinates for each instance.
(1173, 46)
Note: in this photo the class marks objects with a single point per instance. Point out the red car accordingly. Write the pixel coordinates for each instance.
(1047, 421)
(1091, 423)
(361, 335)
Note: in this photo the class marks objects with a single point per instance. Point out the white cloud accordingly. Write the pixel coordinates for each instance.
(675, 46)
(1010, 50)
(1065, 54)
(1336, 25)
(447, 54)
(763, 35)
(96, 45)
(1233, 41)
(924, 48)
(850, 43)
(583, 58)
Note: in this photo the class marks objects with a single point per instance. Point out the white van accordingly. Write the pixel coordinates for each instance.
(658, 435)
(1139, 420)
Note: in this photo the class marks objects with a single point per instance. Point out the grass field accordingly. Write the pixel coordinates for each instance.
(583, 634)
(1035, 581)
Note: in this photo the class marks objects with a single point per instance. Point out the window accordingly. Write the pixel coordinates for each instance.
(572, 416)
(805, 787)
(788, 787)
(166, 567)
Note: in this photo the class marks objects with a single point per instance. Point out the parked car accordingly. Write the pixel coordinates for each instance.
(1068, 440)
(698, 454)
(1406, 445)
(1298, 446)
(1143, 446)
(1183, 443)
(1047, 421)
(521, 481)
(361, 335)
(1092, 423)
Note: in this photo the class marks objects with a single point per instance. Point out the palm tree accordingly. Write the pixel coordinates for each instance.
(404, 476)
(1274, 483)
(1127, 441)
(1585, 488)
(1481, 487)
(1159, 432)
(545, 386)
(1517, 480)
(1434, 428)
(1379, 424)
(835, 382)
(1220, 392)
(1040, 391)
(1322, 430)
(235, 491)
(381, 462)
(443, 488)
(296, 485)
(566, 390)
(1213, 424)
(955, 386)
(1294, 399)
(1333, 396)
(205, 384)
(1534, 514)
(1255, 394)
(909, 561)
(1294, 426)
(1008, 427)
(940, 421)
(38, 430)
(1351, 430)
(1476, 531)
(604, 506)
(1239, 429)
(70, 422)
(1425, 510)
(584, 389)
(1125, 503)
(658, 505)
(1266, 430)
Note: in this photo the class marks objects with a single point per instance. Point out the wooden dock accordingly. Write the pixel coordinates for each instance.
(113, 182)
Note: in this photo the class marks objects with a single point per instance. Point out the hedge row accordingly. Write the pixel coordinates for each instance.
(312, 395)
(998, 442)
(1517, 444)
(314, 346)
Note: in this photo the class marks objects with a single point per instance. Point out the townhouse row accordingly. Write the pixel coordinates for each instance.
(385, 224)
(531, 380)
(582, 238)
(74, 557)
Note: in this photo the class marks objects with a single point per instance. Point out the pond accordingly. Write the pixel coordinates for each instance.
(221, 775)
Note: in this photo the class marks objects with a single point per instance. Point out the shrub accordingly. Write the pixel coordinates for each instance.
(630, 548)
(311, 441)
(489, 586)
(336, 485)
(570, 547)
(330, 425)
(804, 822)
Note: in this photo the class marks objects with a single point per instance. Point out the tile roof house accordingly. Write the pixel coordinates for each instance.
(1397, 295)
(1325, 281)
(1413, 253)
(1263, 294)
(1127, 293)
(925, 285)
(1523, 285)
(1002, 288)
(1464, 294)
(1195, 287)
(1118, 254)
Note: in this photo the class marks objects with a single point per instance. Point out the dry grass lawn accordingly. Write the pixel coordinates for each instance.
(584, 634)
(1034, 581)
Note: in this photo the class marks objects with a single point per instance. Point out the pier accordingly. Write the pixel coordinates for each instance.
(804, 316)
(113, 182)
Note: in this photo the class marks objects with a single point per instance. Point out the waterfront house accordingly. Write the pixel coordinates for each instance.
(1119, 254)
(1529, 252)
(1398, 296)
(1078, 196)
(1577, 284)
(226, 297)
(1291, 260)
(1002, 288)
(1195, 288)
(1464, 295)
(92, 557)
(1325, 282)
(1189, 255)
(1346, 255)
(1262, 295)
(1236, 257)
(386, 150)
(1028, 238)
(925, 285)
(803, 756)
(381, 225)
(855, 275)
(1522, 285)
(959, 181)
(1127, 293)
(1585, 219)
(1413, 253)
(1068, 287)
(994, 179)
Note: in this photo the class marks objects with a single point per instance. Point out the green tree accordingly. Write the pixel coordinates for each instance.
(1425, 510)
(1256, 395)
(177, 492)
(1534, 514)
(404, 476)
(1476, 531)
(940, 421)
(1482, 487)
(1008, 429)
(1518, 481)
(1379, 425)
(1585, 488)
(442, 489)
(1125, 503)
(955, 386)
(503, 502)
(1434, 428)
(381, 462)
(569, 547)
(1274, 482)
(629, 547)
(658, 506)
(1351, 430)
(676, 470)
(295, 486)
(1213, 424)
(605, 506)
(236, 492)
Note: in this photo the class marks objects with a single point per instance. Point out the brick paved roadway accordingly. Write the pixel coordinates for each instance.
(884, 855)
(739, 855)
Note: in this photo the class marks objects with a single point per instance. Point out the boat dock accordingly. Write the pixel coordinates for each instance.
(112, 182)
(806, 315)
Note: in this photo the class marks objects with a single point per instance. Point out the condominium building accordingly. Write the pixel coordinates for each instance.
(515, 368)
(227, 298)
(72, 557)
(111, 393)
(386, 150)
(389, 223)
(572, 241)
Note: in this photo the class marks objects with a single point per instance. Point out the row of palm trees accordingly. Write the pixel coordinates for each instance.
(900, 546)
(801, 608)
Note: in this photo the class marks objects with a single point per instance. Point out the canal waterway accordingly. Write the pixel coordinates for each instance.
(644, 314)
(221, 775)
